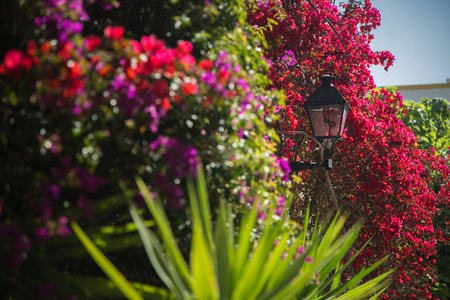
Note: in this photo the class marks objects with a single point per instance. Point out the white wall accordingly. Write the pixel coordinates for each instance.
(417, 92)
(417, 95)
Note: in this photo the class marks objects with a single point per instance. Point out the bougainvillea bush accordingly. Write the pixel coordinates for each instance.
(430, 122)
(81, 112)
(379, 173)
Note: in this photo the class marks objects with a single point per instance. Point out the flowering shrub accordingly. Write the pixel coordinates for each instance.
(81, 112)
(379, 174)
(429, 121)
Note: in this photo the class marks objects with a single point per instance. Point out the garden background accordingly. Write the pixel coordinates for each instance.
(98, 93)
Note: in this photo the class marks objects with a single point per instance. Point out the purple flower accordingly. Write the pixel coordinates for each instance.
(289, 58)
(41, 234)
(153, 114)
(51, 191)
(18, 244)
(284, 168)
(243, 84)
(76, 110)
(44, 210)
(63, 229)
(85, 204)
(58, 21)
(87, 182)
(181, 160)
(208, 78)
(170, 190)
(222, 55)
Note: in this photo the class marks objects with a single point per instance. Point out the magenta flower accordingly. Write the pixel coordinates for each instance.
(309, 259)
(289, 58)
(88, 182)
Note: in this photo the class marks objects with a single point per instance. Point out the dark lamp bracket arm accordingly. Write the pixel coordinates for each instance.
(300, 165)
(326, 154)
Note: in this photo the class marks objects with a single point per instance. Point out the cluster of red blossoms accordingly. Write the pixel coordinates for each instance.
(380, 175)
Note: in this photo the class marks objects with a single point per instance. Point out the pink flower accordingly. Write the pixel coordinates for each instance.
(189, 88)
(114, 33)
(15, 64)
(92, 42)
(206, 64)
(185, 47)
(148, 43)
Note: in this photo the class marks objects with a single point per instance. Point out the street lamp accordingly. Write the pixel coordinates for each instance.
(327, 112)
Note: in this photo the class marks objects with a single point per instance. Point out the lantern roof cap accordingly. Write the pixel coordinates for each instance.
(325, 94)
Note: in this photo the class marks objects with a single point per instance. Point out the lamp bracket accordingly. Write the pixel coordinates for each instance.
(300, 165)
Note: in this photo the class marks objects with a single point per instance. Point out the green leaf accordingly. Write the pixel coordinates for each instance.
(248, 282)
(168, 238)
(224, 238)
(110, 270)
(105, 244)
(204, 206)
(101, 287)
(244, 242)
(367, 288)
(163, 266)
(204, 281)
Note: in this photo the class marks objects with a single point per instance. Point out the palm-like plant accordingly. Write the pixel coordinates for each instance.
(226, 263)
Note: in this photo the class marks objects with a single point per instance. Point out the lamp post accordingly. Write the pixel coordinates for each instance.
(327, 112)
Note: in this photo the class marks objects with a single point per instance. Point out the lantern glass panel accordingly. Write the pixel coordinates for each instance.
(326, 120)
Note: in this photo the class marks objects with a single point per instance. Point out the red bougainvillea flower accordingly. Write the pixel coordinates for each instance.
(150, 43)
(206, 64)
(160, 88)
(15, 64)
(92, 42)
(114, 33)
(13, 60)
(189, 88)
(185, 47)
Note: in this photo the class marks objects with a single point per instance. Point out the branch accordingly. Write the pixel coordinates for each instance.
(307, 135)
(327, 174)
(328, 21)
(330, 187)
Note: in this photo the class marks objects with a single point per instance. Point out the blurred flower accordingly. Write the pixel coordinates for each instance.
(289, 58)
(114, 33)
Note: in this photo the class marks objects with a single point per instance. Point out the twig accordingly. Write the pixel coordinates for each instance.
(330, 187)
(327, 175)
(328, 21)
(307, 135)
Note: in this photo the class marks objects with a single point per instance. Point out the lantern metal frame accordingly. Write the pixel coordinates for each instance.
(324, 101)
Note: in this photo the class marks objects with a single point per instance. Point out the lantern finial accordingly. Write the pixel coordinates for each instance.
(326, 80)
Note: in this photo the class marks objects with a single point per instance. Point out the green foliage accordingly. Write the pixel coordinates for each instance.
(430, 121)
(257, 258)
(124, 286)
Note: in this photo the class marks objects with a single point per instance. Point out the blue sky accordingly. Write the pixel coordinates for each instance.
(417, 32)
